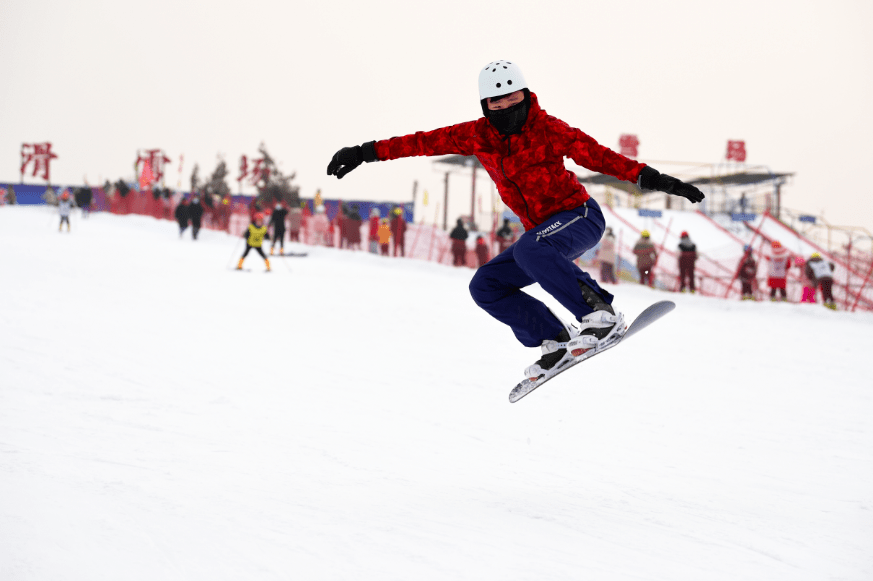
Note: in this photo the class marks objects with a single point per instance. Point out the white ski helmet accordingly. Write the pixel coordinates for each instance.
(500, 78)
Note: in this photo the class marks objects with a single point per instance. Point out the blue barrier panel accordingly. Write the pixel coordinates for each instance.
(810, 219)
(650, 213)
(744, 217)
(27, 194)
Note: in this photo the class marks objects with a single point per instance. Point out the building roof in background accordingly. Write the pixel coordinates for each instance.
(753, 176)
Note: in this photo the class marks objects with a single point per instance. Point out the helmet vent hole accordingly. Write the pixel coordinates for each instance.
(498, 85)
(508, 82)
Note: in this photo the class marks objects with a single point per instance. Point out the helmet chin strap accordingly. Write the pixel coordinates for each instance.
(508, 121)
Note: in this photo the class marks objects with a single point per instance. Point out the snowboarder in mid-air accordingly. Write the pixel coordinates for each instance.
(523, 149)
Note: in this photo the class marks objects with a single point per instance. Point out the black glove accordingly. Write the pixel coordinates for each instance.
(652, 179)
(348, 158)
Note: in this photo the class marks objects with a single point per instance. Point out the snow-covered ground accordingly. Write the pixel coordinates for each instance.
(346, 417)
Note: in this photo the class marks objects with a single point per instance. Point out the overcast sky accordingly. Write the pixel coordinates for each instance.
(102, 79)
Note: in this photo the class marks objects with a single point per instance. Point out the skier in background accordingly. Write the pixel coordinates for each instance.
(182, 215)
(459, 236)
(777, 272)
(254, 236)
(523, 149)
(319, 225)
(606, 256)
(195, 212)
(823, 274)
(295, 221)
(384, 234)
(482, 254)
(646, 258)
(373, 237)
(354, 227)
(84, 198)
(505, 236)
(398, 231)
(747, 273)
(277, 221)
(808, 280)
(65, 206)
(687, 258)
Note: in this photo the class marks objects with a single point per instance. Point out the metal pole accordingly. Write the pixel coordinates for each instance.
(473, 197)
(778, 200)
(446, 205)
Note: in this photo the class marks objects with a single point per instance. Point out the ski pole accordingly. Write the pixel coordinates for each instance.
(233, 253)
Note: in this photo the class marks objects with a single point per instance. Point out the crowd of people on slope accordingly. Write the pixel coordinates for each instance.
(815, 273)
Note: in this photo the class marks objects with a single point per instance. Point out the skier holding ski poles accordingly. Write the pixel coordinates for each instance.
(254, 236)
(523, 149)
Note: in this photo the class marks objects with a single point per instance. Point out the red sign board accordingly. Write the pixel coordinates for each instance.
(736, 150)
(628, 145)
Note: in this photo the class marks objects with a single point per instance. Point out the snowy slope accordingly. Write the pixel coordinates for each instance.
(345, 417)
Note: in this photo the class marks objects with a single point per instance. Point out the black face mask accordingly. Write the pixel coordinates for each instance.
(508, 121)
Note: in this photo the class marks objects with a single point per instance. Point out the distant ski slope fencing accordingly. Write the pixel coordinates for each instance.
(720, 245)
(720, 251)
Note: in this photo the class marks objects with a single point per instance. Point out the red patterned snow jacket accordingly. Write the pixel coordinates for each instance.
(528, 168)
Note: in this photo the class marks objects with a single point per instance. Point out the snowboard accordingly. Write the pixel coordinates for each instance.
(298, 254)
(651, 314)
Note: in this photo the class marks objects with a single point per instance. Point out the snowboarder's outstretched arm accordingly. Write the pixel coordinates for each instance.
(455, 139)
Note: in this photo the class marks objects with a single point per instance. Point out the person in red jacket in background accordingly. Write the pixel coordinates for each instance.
(777, 274)
(398, 231)
(687, 258)
(747, 272)
(505, 236)
(523, 149)
(482, 254)
(295, 222)
(459, 236)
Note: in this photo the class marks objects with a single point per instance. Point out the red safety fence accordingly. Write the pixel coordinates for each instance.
(717, 277)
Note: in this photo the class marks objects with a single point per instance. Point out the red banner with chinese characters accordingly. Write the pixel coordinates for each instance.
(152, 171)
(40, 154)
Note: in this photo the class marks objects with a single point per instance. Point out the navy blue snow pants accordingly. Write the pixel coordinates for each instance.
(543, 255)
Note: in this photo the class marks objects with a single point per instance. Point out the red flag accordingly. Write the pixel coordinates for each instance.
(146, 177)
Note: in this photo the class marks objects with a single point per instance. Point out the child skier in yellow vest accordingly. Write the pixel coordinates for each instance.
(254, 235)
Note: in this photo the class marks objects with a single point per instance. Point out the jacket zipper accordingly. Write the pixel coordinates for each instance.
(526, 207)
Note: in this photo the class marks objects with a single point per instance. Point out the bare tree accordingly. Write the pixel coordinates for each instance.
(274, 186)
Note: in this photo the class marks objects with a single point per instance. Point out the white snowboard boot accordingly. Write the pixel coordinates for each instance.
(555, 354)
(597, 330)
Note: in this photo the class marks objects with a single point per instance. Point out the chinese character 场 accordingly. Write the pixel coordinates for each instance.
(628, 145)
(40, 154)
(256, 174)
(736, 150)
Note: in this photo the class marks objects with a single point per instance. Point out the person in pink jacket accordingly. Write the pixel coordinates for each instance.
(319, 226)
